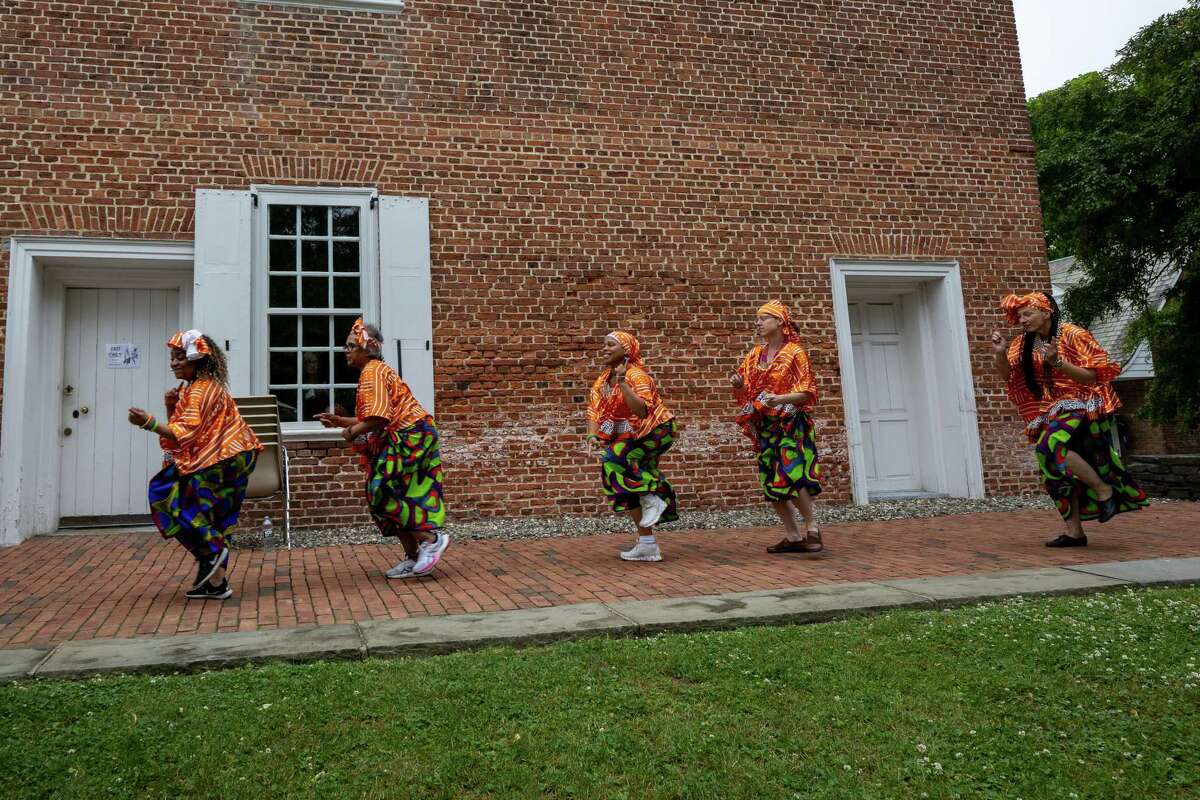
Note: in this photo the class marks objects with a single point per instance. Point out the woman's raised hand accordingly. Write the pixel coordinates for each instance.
(736, 380)
(138, 417)
(999, 345)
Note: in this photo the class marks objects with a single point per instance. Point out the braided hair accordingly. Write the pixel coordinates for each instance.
(1031, 380)
(213, 365)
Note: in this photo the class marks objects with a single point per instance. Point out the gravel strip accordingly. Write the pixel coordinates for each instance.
(510, 529)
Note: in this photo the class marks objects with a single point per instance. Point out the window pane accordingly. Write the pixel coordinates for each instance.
(345, 221)
(282, 292)
(345, 293)
(283, 368)
(314, 256)
(283, 255)
(316, 367)
(341, 330)
(315, 293)
(344, 400)
(287, 404)
(343, 372)
(283, 221)
(314, 401)
(345, 256)
(316, 332)
(283, 331)
(313, 220)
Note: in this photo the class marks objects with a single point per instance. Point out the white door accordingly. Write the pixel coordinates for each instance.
(115, 356)
(883, 371)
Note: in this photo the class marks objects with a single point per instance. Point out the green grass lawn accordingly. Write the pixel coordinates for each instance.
(1089, 697)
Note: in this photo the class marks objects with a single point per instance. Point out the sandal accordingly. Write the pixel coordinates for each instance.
(812, 541)
(787, 546)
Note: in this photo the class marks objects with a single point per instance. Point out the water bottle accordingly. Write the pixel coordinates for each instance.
(268, 534)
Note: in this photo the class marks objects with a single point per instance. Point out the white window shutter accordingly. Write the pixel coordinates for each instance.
(222, 302)
(406, 308)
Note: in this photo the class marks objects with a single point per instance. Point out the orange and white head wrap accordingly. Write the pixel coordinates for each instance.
(192, 343)
(633, 348)
(1012, 304)
(362, 338)
(776, 309)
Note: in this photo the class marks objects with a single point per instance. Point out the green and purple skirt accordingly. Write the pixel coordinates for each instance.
(787, 456)
(197, 509)
(1092, 439)
(404, 480)
(629, 469)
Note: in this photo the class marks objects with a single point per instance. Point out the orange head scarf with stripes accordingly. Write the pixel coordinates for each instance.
(633, 348)
(1012, 304)
(190, 342)
(362, 338)
(778, 310)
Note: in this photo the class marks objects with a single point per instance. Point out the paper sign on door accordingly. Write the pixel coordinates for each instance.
(124, 356)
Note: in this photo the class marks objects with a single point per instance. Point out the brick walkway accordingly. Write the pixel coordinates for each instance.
(54, 589)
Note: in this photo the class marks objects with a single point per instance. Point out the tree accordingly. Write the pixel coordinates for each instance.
(1118, 163)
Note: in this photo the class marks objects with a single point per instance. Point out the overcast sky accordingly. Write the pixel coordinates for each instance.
(1064, 38)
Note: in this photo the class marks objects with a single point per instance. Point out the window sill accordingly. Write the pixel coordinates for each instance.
(392, 6)
(313, 435)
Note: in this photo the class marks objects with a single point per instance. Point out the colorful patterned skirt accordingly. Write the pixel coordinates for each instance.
(404, 481)
(629, 468)
(1092, 440)
(197, 509)
(787, 456)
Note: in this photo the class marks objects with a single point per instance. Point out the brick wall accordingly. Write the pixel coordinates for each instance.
(1147, 437)
(659, 166)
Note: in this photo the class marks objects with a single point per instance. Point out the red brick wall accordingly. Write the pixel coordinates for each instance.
(659, 166)
(1148, 437)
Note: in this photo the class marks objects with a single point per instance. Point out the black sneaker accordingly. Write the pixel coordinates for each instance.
(210, 592)
(1062, 540)
(209, 565)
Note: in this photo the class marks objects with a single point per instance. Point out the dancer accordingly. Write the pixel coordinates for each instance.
(629, 422)
(398, 444)
(1060, 380)
(210, 452)
(775, 390)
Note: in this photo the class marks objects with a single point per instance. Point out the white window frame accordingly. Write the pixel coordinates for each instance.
(365, 198)
(393, 6)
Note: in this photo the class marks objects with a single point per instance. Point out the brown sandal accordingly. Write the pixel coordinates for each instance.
(787, 546)
(812, 542)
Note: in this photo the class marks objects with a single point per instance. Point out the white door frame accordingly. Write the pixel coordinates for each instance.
(946, 276)
(41, 269)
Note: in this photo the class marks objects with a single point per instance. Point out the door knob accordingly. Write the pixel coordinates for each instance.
(84, 410)
(66, 431)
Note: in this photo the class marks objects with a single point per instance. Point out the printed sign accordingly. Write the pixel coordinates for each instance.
(124, 356)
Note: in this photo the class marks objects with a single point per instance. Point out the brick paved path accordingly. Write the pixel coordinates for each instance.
(53, 589)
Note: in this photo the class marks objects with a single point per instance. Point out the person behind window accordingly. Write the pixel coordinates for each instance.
(399, 447)
(1060, 380)
(629, 422)
(210, 452)
(775, 391)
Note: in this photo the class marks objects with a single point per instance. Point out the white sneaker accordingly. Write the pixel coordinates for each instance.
(428, 554)
(403, 569)
(643, 551)
(653, 507)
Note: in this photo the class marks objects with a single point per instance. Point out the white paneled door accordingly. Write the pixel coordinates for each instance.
(115, 356)
(883, 371)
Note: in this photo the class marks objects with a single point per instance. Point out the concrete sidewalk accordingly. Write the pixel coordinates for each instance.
(446, 633)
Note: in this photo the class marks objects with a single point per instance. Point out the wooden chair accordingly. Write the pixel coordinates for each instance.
(270, 476)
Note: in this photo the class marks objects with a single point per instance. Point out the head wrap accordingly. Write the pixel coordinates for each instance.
(776, 309)
(633, 348)
(191, 342)
(1012, 305)
(362, 338)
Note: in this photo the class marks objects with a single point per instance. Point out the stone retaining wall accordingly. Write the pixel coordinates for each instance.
(1168, 476)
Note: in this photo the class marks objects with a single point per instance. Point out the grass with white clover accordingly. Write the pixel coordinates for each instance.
(1089, 697)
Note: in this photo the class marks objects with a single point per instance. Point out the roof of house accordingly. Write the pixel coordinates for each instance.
(1110, 330)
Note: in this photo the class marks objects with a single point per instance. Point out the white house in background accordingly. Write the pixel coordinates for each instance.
(1110, 331)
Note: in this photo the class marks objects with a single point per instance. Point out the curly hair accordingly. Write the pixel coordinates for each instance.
(213, 365)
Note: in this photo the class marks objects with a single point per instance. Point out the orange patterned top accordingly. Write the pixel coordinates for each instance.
(614, 420)
(207, 427)
(789, 373)
(1078, 347)
(383, 393)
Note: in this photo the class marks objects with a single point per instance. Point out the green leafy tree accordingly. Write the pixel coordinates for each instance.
(1118, 163)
